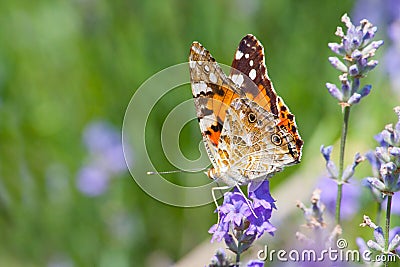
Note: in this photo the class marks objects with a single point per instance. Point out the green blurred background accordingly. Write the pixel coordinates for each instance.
(67, 67)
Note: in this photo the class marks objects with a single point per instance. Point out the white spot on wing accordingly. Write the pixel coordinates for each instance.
(246, 55)
(207, 121)
(213, 78)
(237, 79)
(207, 68)
(197, 50)
(241, 115)
(192, 64)
(236, 105)
(238, 55)
(251, 63)
(247, 139)
(200, 87)
(252, 74)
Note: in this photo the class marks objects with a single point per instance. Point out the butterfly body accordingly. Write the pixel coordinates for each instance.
(248, 131)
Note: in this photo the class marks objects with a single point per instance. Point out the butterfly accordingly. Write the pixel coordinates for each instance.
(248, 131)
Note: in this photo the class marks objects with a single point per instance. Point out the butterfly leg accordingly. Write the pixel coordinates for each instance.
(247, 200)
(228, 187)
(215, 199)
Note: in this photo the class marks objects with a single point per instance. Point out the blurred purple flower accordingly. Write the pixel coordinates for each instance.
(92, 181)
(219, 259)
(385, 13)
(255, 263)
(396, 203)
(392, 56)
(105, 146)
(350, 197)
(313, 215)
(106, 157)
(392, 235)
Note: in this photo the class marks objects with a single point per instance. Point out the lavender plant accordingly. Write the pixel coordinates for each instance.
(385, 160)
(243, 220)
(220, 259)
(317, 238)
(355, 49)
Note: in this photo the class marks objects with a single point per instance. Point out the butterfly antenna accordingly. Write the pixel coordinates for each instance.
(176, 171)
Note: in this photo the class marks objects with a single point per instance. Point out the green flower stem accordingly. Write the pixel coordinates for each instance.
(238, 253)
(378, 213)
(346, 114)
(387, 227)
(338, 201)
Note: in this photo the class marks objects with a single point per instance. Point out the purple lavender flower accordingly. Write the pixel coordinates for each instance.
(374, 161)
(387, 159)
(263, 203)
(349, 171)
(234, 209)
(356, 48)
(243, 220)
(378, 244)
(219, 231)
(331, 167)
(232, 215)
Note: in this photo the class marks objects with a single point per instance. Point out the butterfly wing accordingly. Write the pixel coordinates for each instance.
(250, 74)
(247, 129)
(213, 92)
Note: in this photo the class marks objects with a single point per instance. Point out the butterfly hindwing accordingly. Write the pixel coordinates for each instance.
(249, 60)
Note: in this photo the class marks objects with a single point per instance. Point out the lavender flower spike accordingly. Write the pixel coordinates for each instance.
(387, 159)
(349, 172)
(334, 91)
(330, 165)
(356, 48)
(243, 220)
(337, 64)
